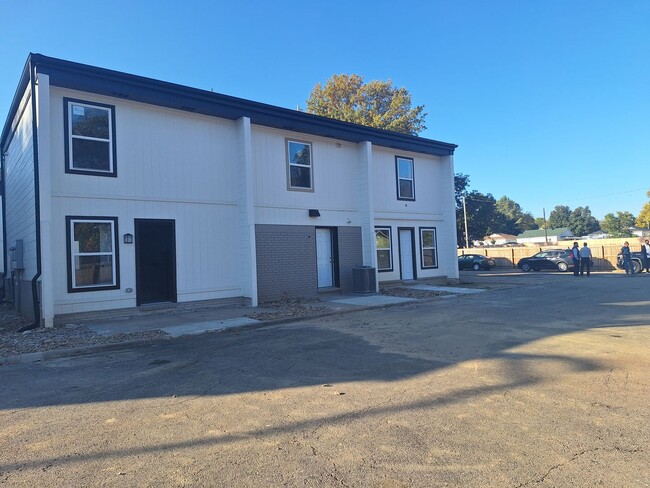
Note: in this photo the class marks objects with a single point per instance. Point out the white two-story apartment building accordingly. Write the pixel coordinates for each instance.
(121, 191)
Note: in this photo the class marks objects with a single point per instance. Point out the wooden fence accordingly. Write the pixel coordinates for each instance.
(604, 252)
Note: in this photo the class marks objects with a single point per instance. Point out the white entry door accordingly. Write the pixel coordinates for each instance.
(324, 258)
(406, 253)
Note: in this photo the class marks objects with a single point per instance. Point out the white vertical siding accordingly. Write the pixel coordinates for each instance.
(19, 188)
(429, 209)
(335, 166)
(197, 171)
(170, 165)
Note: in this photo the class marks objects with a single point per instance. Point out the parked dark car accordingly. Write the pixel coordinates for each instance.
(559, 259)
(637, 261)
(475, 262)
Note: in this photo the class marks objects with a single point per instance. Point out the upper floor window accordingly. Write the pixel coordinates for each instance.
(90, 138)
(92, 253)
(428, 248)
(383, 246)
(299, 165)
(405, 178)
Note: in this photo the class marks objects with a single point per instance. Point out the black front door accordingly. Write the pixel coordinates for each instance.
(155, 261)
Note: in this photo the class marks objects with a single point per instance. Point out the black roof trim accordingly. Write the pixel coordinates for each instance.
(67, 74)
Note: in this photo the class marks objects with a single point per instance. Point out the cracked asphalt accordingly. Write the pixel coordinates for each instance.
(540, 381)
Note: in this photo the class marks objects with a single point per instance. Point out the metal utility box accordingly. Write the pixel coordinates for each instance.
(17, 255)
(364, 279)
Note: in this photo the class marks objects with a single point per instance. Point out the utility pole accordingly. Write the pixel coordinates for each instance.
(545, 232)
(465, 214)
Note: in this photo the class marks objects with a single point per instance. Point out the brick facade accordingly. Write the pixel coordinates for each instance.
(286, 260)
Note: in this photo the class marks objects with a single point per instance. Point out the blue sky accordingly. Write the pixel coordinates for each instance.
(549, 101)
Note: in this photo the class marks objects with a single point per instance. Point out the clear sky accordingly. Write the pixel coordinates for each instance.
(549, 101)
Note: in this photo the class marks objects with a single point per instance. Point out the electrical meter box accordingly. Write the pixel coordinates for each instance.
(17, 255)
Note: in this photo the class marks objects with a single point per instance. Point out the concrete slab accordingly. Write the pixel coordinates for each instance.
(448, 289)
(372, 300)
(129, 326)
(201, 327)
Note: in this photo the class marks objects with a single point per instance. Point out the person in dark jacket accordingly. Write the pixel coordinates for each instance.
(627, 258)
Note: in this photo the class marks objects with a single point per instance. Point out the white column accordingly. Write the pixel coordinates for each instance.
(367, 206)
(447, 253)
(247, 210)
(45, 197)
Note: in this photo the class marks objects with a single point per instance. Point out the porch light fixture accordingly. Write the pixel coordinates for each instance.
(128, 238)
(314, 212)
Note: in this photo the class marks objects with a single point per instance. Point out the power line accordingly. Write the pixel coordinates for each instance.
(582, 199)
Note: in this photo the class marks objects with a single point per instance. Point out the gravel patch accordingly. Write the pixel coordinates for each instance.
(403, 292)
(69, 336)
(289, 308)
(73, 336)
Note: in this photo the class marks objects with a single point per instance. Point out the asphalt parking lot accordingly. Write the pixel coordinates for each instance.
(542, 380)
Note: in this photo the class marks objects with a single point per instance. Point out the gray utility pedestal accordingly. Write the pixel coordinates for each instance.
(364, 279)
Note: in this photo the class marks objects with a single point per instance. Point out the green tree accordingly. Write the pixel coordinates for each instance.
(539, 221)
(510, 218)
(461, 182)
(481, 215)
(618, 225)
(527, 222)
(375, 104)
(581, 222)
(559, 217)
(508, 212)
(643, 219)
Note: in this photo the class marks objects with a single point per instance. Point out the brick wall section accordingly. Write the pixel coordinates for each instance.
(286, 261)
(350, 254)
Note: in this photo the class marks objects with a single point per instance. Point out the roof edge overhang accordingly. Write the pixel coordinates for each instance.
(15, 103)
(76, 76)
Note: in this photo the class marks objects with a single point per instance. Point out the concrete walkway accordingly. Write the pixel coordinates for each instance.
(220, 318)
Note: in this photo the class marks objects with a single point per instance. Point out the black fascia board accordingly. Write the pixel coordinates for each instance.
(67, 74)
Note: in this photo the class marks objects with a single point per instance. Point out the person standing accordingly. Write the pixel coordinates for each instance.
(627, 258)
(645, 254)
(575, 254)
(585, 260)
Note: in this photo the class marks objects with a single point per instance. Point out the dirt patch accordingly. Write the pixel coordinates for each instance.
(289, 308)
(71, 336)
(403, 292)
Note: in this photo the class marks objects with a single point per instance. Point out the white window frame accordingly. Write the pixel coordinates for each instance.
(434, 248)
(402, 178)
(70, 137)
(74, 253)
(291, 164)
(389, 231)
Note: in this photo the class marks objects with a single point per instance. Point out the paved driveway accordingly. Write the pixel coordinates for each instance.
(540, 381)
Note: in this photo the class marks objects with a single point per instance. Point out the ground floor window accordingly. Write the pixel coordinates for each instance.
(428, 248)
(92, 253)
(384, 251)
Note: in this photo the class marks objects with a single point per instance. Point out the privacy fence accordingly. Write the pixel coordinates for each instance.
(604, 251)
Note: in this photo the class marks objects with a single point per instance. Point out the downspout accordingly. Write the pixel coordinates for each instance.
(5, 266)
(37, 206)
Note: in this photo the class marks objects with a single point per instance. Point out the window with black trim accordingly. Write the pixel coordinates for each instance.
(299, 165)
(405, 178)
(89, 138)
(93, 260)
(384, 251)
(428, 248)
